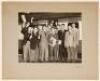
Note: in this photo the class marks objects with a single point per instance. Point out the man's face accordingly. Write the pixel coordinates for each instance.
(49, 26)
(29, 30)
(44, 28)
(66, 28)
(46, 24)
(73, 25)
(35, 30)
(62, 27)
(70, 28)
(27, 25)
(53, 30)
(59, 27)
(40, 27)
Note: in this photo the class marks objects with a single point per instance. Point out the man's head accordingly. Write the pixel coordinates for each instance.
(27, 24)
(52, 22)
(35, 30)
(70, 26)
(73, 25)
(53, 29)
(59, 27)
(30, 29)
(40, 27)
(62, 26)
(44, 28)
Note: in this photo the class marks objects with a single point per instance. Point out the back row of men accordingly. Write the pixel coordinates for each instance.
(47, 43)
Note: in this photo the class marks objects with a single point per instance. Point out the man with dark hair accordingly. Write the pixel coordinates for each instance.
(76, 40)
(53, 47)
(61, 37)
(34, 56)
(26, 41)
(43, 44)
(68, 42)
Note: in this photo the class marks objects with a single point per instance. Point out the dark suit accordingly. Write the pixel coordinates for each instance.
(62, 50)
(26, 43)
(34, 56)
(26, 35)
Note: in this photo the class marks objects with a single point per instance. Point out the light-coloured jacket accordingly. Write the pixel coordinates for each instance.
(76, 37)
(68, 42)
(72, 38)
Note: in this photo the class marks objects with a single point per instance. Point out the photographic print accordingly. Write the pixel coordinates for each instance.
(50, 37)
(50, 40)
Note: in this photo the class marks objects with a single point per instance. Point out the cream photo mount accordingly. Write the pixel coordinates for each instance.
(88, 69)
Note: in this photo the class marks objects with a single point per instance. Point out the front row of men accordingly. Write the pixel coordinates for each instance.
(48, 43)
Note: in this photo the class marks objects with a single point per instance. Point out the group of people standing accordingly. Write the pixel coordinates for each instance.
(50, 43)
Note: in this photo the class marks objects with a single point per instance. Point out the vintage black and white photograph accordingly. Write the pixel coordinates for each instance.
(50, 37)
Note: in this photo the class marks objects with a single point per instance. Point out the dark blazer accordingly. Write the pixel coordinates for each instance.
(34, 41)
(61, 36)
(26, 35)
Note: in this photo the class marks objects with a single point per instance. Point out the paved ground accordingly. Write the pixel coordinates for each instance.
(63, 61)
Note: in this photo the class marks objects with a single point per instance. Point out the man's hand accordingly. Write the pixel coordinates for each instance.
(59, 42)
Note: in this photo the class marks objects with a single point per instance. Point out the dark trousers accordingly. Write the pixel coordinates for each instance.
(62, 53)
